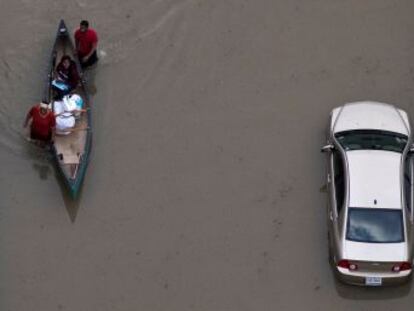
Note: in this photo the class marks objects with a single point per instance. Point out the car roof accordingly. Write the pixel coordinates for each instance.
(370, 115)
(374, 178)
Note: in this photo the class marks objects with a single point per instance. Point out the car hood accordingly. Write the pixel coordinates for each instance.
(369, 115)
(379, 252)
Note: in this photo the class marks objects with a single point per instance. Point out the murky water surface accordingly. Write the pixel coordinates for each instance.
(205, 187)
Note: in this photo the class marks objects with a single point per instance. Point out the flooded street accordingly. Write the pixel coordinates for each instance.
(206, 186)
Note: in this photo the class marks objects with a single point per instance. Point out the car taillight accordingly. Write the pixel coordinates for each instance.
(344, 263)
(401, 266)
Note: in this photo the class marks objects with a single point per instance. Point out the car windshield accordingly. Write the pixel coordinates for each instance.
(375, 225)
(372, 139)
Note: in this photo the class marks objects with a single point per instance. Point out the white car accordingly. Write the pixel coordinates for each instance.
(370, 187)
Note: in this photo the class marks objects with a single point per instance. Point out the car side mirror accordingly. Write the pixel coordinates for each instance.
(411, 150)
(327, 148)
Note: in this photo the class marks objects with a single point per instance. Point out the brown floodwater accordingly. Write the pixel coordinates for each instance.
(205, 189)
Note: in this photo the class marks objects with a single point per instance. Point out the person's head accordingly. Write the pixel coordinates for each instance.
(84, 25)
(43, 107)
(66, 60)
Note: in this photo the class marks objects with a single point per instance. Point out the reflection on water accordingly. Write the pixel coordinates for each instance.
(72, 205)
(44, 165)
(40, 154)
(89, 77)
(43, 170)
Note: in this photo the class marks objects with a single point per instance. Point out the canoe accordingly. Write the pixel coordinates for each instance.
(70, 152)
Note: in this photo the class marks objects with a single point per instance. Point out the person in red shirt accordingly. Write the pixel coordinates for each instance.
(86, 41)
(43, 122)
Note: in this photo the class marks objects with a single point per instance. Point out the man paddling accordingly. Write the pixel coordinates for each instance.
(86, 41)
(43, 122)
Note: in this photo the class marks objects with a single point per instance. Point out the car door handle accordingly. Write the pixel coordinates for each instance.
(329, 178)
(331, 215)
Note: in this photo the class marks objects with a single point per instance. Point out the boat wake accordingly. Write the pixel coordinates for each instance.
(158, 17)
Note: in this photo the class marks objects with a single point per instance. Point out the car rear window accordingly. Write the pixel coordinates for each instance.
(372, 139)
(375, 225)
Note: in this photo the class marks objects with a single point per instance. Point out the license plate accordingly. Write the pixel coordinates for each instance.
(373, 281)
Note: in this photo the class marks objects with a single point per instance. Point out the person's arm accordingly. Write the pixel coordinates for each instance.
(94, 46)
(28, 117)
(52, 137)
(94, 38)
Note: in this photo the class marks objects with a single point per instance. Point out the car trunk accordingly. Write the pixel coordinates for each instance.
(375, 255)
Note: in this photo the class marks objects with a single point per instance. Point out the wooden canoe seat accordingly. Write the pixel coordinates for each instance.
(70, 158)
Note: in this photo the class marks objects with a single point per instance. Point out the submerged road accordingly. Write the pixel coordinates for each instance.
(205, 189)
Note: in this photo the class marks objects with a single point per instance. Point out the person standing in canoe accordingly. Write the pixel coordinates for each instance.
(43, 122)
(86, 40)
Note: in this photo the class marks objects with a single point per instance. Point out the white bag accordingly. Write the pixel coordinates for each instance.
(65, 119)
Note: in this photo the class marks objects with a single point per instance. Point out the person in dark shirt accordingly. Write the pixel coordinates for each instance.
(43, 122)
(67, 73)
(86, 40)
